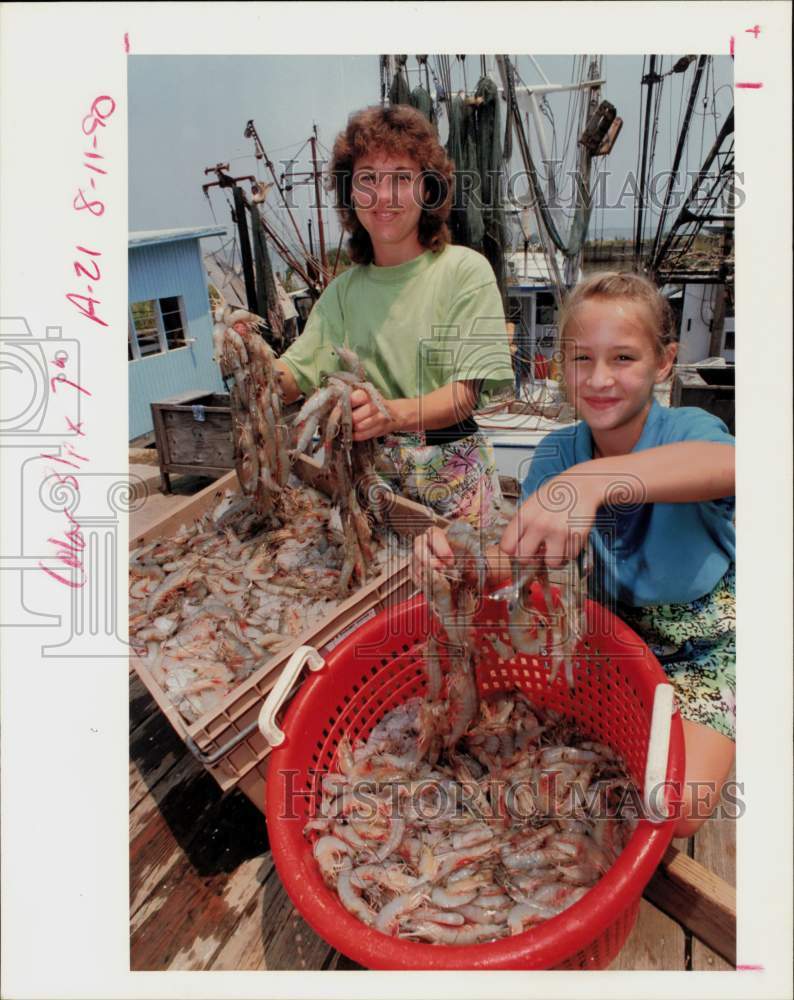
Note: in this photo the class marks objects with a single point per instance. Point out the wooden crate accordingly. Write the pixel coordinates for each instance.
(193, 434)
(711, 389)
(227, 740)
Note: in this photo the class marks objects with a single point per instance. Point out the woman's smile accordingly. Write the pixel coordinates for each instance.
(387, 192)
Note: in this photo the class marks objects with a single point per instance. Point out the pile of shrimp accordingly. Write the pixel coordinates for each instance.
(362, 496)
(474, 842)
(260, 435)
(213, 602)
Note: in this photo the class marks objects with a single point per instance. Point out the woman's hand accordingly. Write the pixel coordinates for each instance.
(431, 552)
(555, 521)
(368, 420)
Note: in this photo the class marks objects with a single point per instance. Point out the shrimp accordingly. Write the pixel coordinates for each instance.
(523, 913)
(351, 899)
(477, 914)
(450, 900)
(333, 856)
(390, 876)
(389, 917)
(451, 918)
(468, 934)
(375, 398)
(432, 668)
(351, 362)
(462, 701)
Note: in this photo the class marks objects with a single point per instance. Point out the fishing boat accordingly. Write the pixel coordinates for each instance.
(552, 137)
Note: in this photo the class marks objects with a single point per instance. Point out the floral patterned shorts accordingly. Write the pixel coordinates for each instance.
(456, 480)
(696, 646)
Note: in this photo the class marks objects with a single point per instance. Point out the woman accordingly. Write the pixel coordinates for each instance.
(424, 317)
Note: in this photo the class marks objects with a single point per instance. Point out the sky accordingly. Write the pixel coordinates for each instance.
(187, 113)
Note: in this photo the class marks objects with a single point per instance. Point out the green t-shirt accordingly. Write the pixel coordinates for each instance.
(416, 327)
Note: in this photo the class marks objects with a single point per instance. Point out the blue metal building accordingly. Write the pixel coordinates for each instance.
(169, 347)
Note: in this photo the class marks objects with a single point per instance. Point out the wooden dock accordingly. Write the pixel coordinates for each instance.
(204, 893)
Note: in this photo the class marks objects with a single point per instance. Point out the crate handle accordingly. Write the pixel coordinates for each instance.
(282, 689)
(275, 700)
(658, 752)
(212, 758)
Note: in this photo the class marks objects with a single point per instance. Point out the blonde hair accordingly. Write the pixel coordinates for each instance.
(623, 285)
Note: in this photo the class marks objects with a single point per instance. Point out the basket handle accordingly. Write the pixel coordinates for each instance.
(658, 753)
(282, 689)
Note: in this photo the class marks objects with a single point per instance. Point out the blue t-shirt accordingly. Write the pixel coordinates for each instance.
(649, 553)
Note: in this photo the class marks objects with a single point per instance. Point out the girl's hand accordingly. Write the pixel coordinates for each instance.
(368, 421)
(554, 521)
(431, 552)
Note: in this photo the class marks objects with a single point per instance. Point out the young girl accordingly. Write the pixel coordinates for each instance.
(653, 489)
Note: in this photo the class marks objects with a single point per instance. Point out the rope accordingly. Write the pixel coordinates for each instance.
(420, 99)
(399, 92)
(475, 146)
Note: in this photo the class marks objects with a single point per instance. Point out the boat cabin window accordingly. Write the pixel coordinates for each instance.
(155, 326)
(546, 310)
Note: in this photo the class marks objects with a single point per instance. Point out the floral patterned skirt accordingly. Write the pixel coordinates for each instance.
(456, 480)
(696, 646)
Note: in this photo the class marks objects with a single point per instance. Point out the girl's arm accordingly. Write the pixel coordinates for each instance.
(684, 472)
(442, 407)
(560, 514)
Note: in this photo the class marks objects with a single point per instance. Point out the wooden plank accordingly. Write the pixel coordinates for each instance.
(164, 823)
(154, 750)
(193, 918)
(206, 407)
(287, 941)
(715, 849)
(193, 877)
(182, 398)
(161, 444)
(141, 703)
(243, 951)
(705, 959)
(199, 469)
(697, 898)
(341, 963)
(657, 943)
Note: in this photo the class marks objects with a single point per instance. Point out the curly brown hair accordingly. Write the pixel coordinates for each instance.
(395, 129)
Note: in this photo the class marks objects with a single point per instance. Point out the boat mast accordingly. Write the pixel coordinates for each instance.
(318, 199)
(251, 133)
(655, 256)
(581, 219)
(649, 80)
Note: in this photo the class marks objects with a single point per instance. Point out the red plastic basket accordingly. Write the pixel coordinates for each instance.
(379, 667)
